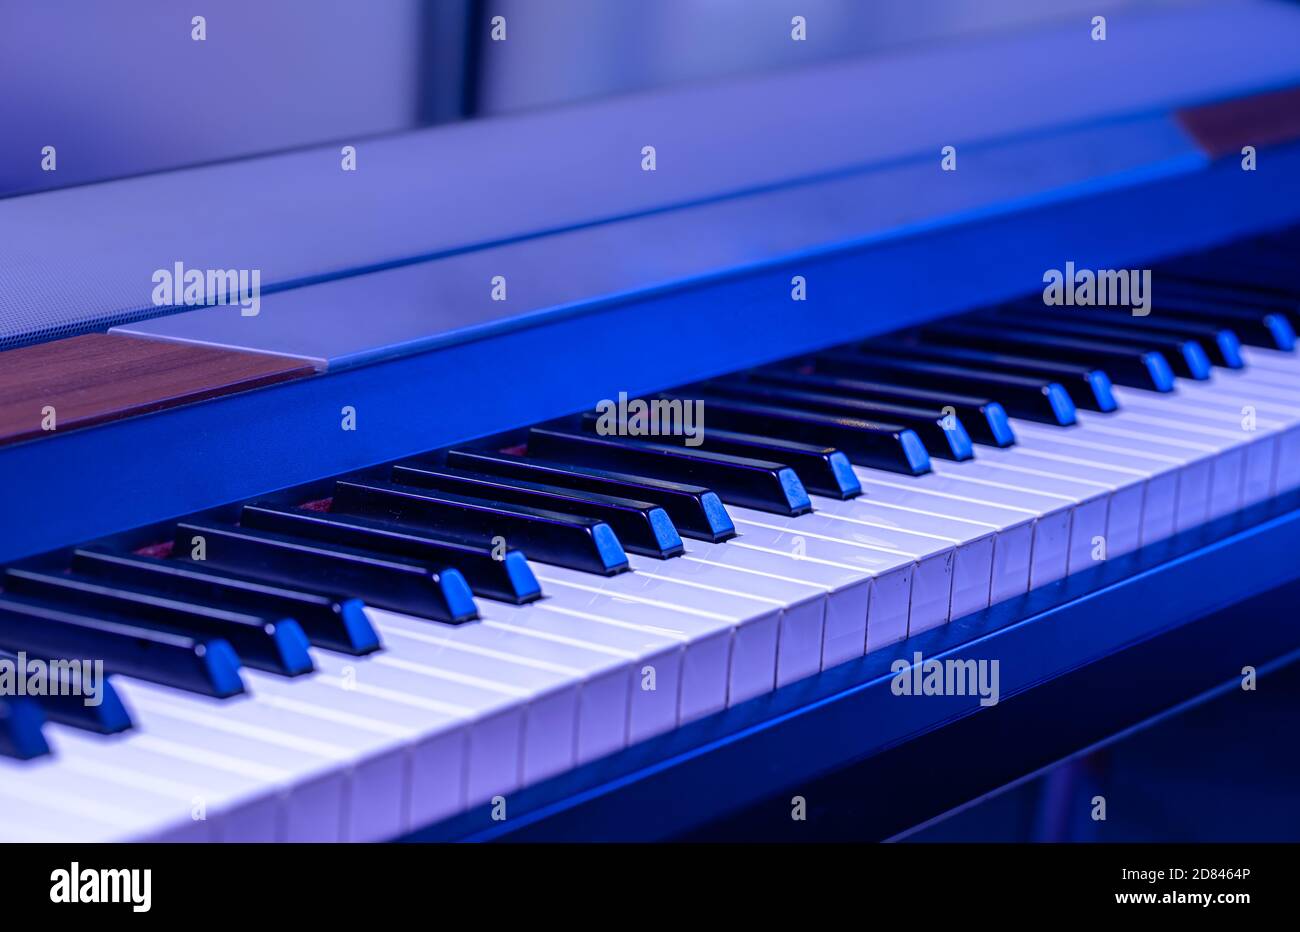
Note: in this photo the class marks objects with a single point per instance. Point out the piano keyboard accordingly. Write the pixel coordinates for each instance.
(414, 640)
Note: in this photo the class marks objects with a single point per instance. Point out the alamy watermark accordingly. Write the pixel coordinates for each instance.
(951, 677)
(199, 287)
(659, 417)
(1073, 287)
(77, 884)
(21, 675)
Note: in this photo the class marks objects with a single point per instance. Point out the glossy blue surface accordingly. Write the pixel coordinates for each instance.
(1162, 377)
(916, 454)
(1198, 363)
(846, 478)
(223, 667)
(608, 546)
(795, 494)
(451, 299)
(1101, 388)
(20, 728)
(522, 580)
(1283, 332)
(665, 532)
(1061, 403)
(460, 600)
(112, 711)
(291, 644)
(999, 423)
(249, 444)
(361, 633)
(719, 520)
(958, 439)
(1230, 347)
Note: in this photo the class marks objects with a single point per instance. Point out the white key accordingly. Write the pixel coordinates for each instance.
(460, 742)
(189, 746)
(1273, 385)
(549, 699)
(600, 671)
(974, 545)
(1090, 500)
(317, 753)
(802, 606)
(938, 562)
(1159, 502)
(1212, 464)
(886, 503)
(1236, 460)
(295, 760)
(1127, 487)
(208, 798)
(703, 640)
(1144, 481)
(1257, 357)
(731, 645)
(1049, 553)
(37, 811)
(649, 653)
(1243, 403)
(894, 588)
(849, 592)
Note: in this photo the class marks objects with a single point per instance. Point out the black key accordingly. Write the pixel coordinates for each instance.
(877, 444)
(738, 480)
(822, 470)
(641, 526)
(1287, 239)
(1222, 272)
(275, 644)
(1256, 301)
(1137, 368)
(1259, 255)
(1221, 344)
(1278, 272)
(696, 511)
(329, 620)
(1238, 281)
(1186, 357)
(1279, 242)
(507, 578)
(985, 420)
(546, 536)
(1219, 289)
(72, 694)
(384, 582)
(1259, 327)
(1031, 398)
(208, 666)
(1087, 388)
(20, 729)
(944, 436)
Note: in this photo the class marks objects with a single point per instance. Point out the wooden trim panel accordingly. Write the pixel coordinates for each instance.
(103, 377)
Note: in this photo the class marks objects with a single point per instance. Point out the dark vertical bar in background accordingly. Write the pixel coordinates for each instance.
(475, 35)
(450, 57)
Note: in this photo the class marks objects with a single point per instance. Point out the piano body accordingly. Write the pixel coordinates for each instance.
(361, 569)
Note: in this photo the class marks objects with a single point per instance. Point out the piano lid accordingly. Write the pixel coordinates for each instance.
(83, 258)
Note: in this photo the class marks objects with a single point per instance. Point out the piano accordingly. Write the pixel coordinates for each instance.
(541, 495)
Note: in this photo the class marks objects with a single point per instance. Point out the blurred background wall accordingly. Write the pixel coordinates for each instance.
(121, 88)
(562, 50)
